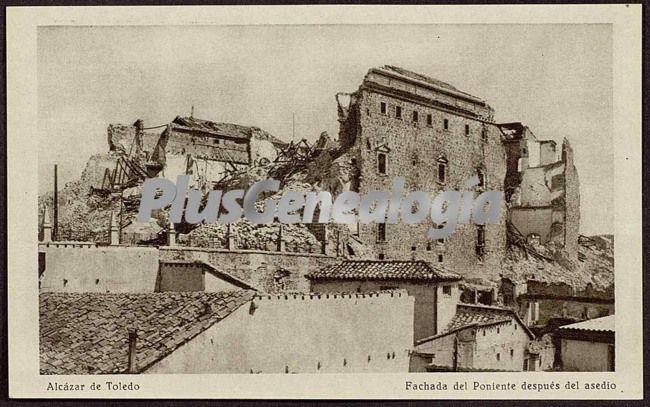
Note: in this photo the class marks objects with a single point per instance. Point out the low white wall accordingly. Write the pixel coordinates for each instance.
(303, 334)
(115, 269)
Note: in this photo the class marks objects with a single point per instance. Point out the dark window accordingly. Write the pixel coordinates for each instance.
(440, 255)
(367, 112)
(481, 178)
(382, 107)
(498, 356)
(498, 330)
(398, 112)
(445, 124)
(484, 332)
(467, 129)
(381, 232)
(480, 240)
(381, 163)
(523, 151)
(415, 115)
(381, 256)
(428, 246)
(484, 134)
(413, 248)
(442, 172)
(512, 352)
(429, 120)
(446, 289)
(216, 141)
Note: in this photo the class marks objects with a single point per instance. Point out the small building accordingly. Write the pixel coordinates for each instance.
(434, 288)
(588, 346)
(481, 337)
(196, 275)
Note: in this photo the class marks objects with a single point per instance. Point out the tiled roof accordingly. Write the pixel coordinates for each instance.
(469, 314)
(383, 270)
(607, 324)
(87, 333)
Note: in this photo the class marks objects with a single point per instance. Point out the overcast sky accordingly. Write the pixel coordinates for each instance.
(557, 79)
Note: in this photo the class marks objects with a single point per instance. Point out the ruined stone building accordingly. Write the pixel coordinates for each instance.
(542, 189)
(203, 149)
(399, 123)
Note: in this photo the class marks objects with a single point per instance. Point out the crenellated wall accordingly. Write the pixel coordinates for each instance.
(297, 333)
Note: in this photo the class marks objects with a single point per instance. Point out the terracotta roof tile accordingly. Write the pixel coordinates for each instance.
(383, 270)
(87, 333)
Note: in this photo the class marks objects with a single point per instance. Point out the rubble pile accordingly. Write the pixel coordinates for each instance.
(296, 237)
(552, 264)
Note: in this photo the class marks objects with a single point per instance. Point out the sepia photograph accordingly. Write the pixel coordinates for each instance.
(279, 199)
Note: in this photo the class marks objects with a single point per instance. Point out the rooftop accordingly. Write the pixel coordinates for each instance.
(87, 333)
(604, 324)
(226, 129)
(426, 80)
(416, 270)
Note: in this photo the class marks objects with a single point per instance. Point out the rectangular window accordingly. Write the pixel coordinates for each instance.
(382, 107)
(381, 163)
(429, 120)
(440, 255)
(442, 172)
(498, 356)
(415, 115)
(467, 129)
(445, 124)
(480, 240)
(446, 289)
(484, 134)
(381, 232)
(216, 141)
(398, 112)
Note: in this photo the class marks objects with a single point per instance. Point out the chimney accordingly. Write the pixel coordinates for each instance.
(171, 235)
(230, 239)
(281, 243)
(115, 231)
(133, 339)
(47, 226)
(325, 239)
(139, 134)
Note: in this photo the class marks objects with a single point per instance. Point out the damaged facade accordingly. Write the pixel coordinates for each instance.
(541, 188)
(399, 123)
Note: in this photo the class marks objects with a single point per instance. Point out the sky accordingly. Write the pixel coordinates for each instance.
(557, 79)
